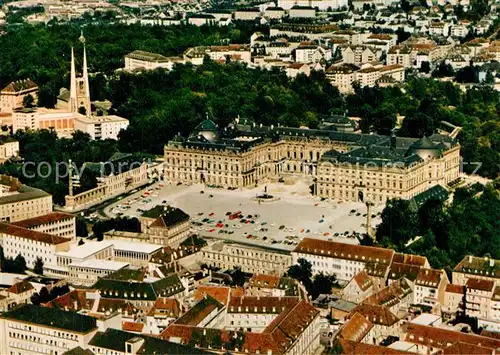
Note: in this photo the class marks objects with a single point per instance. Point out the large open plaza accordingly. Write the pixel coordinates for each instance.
(282, 223)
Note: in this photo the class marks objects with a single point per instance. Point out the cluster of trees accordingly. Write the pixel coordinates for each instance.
(15, 266)
(119, 223)
(45, 296)
(469, 225)
(46, 156)
(315, 286)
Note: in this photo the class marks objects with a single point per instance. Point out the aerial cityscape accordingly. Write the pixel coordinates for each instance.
(249, 177)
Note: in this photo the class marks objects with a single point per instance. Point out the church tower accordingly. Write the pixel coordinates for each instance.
(79, 86)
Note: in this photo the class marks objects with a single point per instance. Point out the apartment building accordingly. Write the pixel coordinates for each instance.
(339, 259)
(401, 55)
(430, 287)
(30, 329)
(342, 76)
(101, 127)
(55, 223)
(322, 5)
(358, 55)
(454, 297)
(250, 259)
(358, 288)
(12, 95)
(477, 268)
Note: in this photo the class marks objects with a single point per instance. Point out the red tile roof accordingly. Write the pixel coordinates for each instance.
(132, 327)
(199, 312)
(439, 337)
(344, 251)
(20, 287)
(356, 328)
(45, 219)
(255, 304)
(390, 295)
(469, 349)
(477, 284)
(376, 314)
(220, 293)
(72, 301)
(363, 280)
(24, 233)
(166, 306)
(20, 85)
(262, 280)
(430, 277)
(410, 259)
(452, 288)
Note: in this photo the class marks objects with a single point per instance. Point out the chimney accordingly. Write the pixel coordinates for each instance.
(75, 305)
(470, 258)
(492, 262)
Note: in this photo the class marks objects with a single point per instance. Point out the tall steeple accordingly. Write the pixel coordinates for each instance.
(73, 101)
(85, 73)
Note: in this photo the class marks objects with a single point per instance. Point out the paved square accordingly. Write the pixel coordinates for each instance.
(300, 213)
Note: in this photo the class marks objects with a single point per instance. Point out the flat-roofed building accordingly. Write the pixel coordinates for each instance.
(33, 329)
(19, 202)
(137, 254)
(101, 127)
(339, 259)
(89, 271)
(56, 223)
(63, 122)
(235, 52)
(12, 95)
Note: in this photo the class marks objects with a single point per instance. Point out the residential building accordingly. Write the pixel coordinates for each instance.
(272, 286)
(19, 202)
(339, 259)
(247, 14)
(294, 69)
(309, 52)
(477, 268)
(342, 76)
(454, 298)
(400, 55)
(430, 287)
(164, 312)
(358, 54)
(101, 127)
(42, 330)
(141, 60)
(250, 259)
(358, 288)
(273, 12)
(12, 95)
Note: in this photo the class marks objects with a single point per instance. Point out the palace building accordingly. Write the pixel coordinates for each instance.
(344, 165)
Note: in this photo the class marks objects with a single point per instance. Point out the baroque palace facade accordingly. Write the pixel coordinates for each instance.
(345, 165)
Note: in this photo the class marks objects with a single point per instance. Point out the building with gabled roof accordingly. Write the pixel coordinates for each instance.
(56, 223)
(162, 314)
(341, 259)
(356, 329)
(359, 287)
(12, 95)
(478, 268)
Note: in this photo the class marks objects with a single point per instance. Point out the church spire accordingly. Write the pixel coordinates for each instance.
(85, 74)
(73, 96)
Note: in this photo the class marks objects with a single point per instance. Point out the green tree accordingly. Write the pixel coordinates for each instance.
(28, 101)
(38, 268)
(322, 284)
(399, 223)
(302, 272)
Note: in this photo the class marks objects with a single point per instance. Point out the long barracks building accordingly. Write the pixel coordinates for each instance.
(346, 165)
